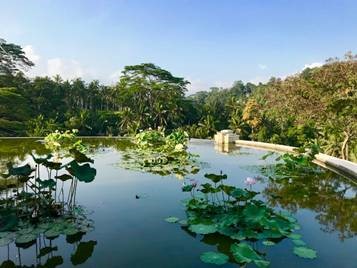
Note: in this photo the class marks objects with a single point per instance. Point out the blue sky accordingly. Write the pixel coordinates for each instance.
(210, 43)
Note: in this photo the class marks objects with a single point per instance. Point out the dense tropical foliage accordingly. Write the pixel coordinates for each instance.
(318, 104)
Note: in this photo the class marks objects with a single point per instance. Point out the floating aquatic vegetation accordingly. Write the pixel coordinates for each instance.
(37, 205)
(291, 165)
(214, 258)
(159, 154)
(42, 236)
(236, 214)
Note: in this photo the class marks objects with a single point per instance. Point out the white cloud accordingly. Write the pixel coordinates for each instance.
(313, 65)
(114, 77)
(31, 54)
(262, 66)
(67, 69)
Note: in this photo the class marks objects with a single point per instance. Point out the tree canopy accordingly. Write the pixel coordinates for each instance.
(12, 58)
(316, 105)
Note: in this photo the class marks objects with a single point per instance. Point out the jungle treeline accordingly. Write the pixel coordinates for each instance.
(317, 105)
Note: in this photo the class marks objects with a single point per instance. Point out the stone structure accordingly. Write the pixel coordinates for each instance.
(225, 137)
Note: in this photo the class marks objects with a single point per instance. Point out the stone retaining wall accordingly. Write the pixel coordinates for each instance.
(338, 165)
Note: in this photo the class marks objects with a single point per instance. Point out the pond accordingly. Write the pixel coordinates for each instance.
(128, 210)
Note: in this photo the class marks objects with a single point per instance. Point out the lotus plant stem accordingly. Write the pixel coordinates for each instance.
(19, 253)
(56, 186)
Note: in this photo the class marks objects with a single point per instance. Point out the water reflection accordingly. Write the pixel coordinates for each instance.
(39, 204)
(229, 149)
(45, 252)
(333, 198)
(225, 147)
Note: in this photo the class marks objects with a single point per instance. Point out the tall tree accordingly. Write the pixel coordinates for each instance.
(12, 58)
(153, 94)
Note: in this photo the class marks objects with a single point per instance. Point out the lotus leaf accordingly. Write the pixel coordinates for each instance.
(50, 183)
(44, 251)
(54, 261)
(294, 236)
(207, 188)
(305, 252)
(70, 231)
(5, 241)
(240, 194)
(214, 258)
(8, 264)
(262, 263)
(54, 231)
(8, 220)
(25, 170)
(80, 157)
(172, 219)
(183, 222)
(83, 252)
(64, 177)
(83, 173)
(254, 213)
(52, 165)
(216, 178)
(41, 160)
(268, 243)
(25, 238)
(244, 253)
(203, 228)
(187, 188)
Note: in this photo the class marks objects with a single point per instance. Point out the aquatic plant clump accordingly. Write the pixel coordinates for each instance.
(294, 165)
(66, 140)
(37, 203)
(236, 214)
(159, 154)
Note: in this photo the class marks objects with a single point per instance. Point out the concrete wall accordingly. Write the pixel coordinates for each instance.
(337, 165)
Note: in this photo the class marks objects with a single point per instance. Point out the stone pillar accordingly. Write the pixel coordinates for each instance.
(225, 137)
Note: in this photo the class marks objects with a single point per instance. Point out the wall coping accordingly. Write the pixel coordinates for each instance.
(340, 166)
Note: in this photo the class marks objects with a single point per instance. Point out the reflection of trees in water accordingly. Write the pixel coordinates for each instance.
(45, 252)
(16, 150)
(34, 194)
(333, 198)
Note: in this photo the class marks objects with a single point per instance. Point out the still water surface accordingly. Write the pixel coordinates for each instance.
(131, 232)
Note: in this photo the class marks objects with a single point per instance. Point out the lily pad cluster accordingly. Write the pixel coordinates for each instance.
(238, 215)
(44, 235)
(26, 233)
(161, 154)
(40, 196)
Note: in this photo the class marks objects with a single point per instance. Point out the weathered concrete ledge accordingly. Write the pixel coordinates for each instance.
(337, 165)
